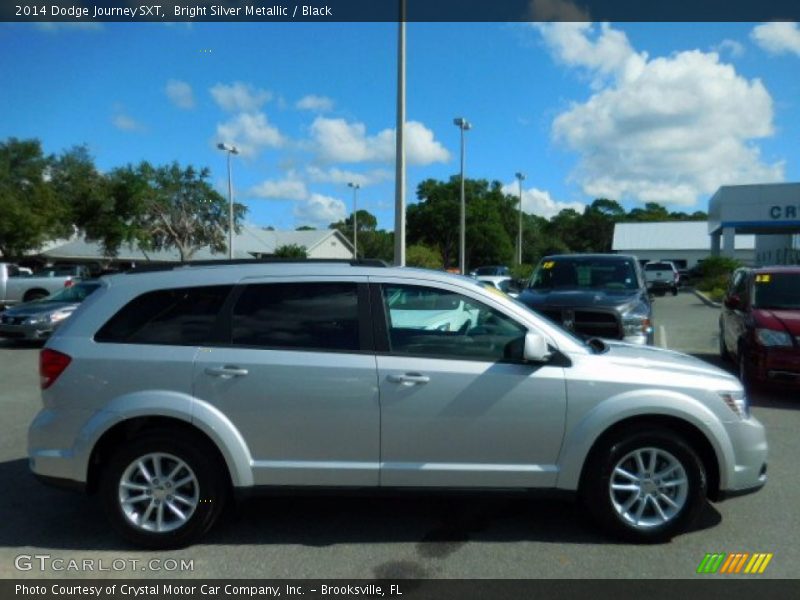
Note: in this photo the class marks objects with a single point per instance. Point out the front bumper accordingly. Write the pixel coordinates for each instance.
(748, 473)
(780, 366)
(26, 332)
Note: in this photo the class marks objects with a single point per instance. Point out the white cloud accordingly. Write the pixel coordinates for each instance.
(180, 93)
(732, 47)
(778, 37)
(315, 103)
(69, 26)
(250, 132)
(334, 175)
(319, 211)
(123, 121)
(665, 130)
(540, 202)
(603, 53)
(289, 188)
(336, 140)
(239, 96)
(421, 147)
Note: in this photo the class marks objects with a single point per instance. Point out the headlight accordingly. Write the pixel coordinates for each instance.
(636, 324)
(59, 316)
(35, 320)
(770, 337)
(737, 402)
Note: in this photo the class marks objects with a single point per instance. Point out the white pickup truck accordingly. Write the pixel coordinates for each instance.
(19, 285)
(661, 276)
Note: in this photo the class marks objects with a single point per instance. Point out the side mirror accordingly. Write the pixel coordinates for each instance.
(733, 302)
(536, 349)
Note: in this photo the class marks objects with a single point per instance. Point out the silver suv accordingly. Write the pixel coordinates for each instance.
(168, 391)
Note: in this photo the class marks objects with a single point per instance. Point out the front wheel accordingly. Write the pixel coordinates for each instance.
(163, 490)
(645, 486)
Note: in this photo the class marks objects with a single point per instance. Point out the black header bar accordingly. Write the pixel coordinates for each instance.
(389, 10)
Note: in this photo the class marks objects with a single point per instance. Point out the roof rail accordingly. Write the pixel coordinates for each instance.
(359, 262)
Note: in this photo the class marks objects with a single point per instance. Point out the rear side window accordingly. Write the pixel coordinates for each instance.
(179, 317)
(303, 316)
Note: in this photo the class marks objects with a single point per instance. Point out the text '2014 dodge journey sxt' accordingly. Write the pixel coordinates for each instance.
(168, 391)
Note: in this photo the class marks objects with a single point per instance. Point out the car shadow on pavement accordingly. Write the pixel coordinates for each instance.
(762, 396)
(38, 516)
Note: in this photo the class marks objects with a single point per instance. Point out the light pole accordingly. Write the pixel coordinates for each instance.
(520, 177)
(230, 149)
(355, 187)
(463, 125)
(400, 148)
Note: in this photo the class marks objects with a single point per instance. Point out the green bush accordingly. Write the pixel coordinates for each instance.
(420, 255)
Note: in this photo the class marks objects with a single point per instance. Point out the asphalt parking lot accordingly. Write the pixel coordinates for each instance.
(416, 537)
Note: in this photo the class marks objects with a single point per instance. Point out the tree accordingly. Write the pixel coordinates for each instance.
(490, 216)
(291, 251)
(304, 228)
(30, 213)
(162, 208)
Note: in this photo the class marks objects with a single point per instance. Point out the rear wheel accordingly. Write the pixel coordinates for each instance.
(34, 295)
(644, 486)
(163, 490)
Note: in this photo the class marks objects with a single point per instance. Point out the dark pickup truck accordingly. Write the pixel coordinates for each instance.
(593, 295)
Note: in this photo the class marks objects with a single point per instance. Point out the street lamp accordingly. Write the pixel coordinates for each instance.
(230, 149)
(355, 187)
(520, 177)
(463, 125)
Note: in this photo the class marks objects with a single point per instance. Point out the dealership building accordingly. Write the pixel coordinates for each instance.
(769, 211)
(755, 224)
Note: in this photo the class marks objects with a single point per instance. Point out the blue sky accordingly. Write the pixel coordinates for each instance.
(634, 112)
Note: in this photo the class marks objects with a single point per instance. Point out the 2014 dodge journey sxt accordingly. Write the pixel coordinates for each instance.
(167, 391)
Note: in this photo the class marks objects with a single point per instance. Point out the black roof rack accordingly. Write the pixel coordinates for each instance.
(360, 262)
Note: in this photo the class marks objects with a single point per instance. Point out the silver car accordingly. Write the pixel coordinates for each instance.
(167, 391)
(36, 320)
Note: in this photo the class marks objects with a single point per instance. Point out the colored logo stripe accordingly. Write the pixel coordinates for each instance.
(710, 563)
(734, 563)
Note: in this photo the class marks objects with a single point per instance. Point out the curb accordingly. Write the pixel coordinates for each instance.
(705, 299)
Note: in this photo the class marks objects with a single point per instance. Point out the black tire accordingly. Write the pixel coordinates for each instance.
(209, 488)
(596, 492)
(34, 295)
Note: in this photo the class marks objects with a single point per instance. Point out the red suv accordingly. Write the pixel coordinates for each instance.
(760, 324)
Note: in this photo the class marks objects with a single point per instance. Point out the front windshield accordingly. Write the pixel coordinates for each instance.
(777, 290)
(584, 273)
(76, 293)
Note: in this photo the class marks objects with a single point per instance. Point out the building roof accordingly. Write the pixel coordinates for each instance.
(250, 242)
(672, 235)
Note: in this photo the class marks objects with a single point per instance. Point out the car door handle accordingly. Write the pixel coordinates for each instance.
(227, 371)
(409, 378)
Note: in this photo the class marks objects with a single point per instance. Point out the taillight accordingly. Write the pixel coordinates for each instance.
(51, 365)
(68, 283)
